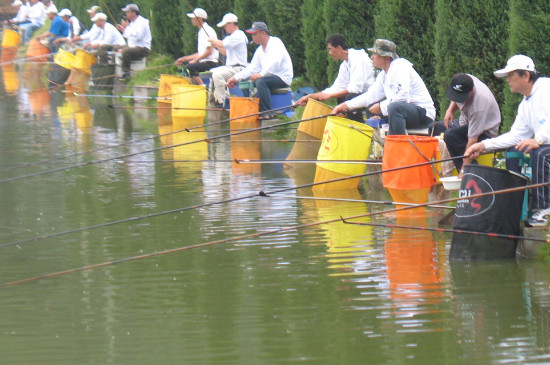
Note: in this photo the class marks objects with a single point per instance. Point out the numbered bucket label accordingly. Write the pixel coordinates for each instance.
(474, 185)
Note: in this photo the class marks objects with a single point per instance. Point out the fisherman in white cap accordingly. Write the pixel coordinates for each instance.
(206, 56)
(110, 38)
(36, 16)
(234, 48)
(75, 26)
(530, 132)
(21, 16)
(95, 32)
(59, 28)
(138, 33)
(270, 67)
(398, 92)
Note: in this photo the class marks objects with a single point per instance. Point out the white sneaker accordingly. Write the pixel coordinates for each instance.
(539, 219)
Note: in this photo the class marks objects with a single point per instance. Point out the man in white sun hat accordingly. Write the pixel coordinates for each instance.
(234, 48)
(138, 33)
(95, 32)
(206, 56)
(530, 132)
(110, 38)
(21, 16)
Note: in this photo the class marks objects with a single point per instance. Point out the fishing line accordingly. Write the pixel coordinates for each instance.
(253, 235)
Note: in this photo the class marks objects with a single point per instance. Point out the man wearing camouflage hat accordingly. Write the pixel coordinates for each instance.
(407, 104)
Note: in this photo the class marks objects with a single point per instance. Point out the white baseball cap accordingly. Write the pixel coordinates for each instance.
(65, 12)
(94, 9)
(131, 7)
(228, 18)
(99, 16)
(198, 13)
(17, 3)
(517, 62)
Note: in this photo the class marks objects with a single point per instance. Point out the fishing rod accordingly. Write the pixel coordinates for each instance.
(28, 164)
(193, 11)
(261, 193)
(381, 202)
(266, 162)
(23, 59)
(233, 239)
(448, 230)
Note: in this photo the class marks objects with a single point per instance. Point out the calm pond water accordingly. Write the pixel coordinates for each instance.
(327, 294)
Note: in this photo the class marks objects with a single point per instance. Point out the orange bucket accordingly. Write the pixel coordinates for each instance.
(10, 39)
(245, 147)
(240, 106)
(39, 100)
(37, 49)
(401, 151)
(84, 60)
(165, 86)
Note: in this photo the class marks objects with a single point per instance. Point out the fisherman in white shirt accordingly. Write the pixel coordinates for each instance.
(407, 104)
(530, 132)
(75, 27)
(36, 16)
(50, 7)
(21, 16)
(355, 76)
(234, 48)
(206, 57)
(95, 32)
(110, 38)
(138, 33)
(270, 68)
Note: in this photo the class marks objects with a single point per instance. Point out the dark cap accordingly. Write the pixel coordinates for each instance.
(256, 27)
(460, 87)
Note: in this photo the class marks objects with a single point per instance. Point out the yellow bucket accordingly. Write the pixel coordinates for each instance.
(84, 61)
(11, 79)
(195, 151)
(64, 59)
(166, 84)
(239, 106)
(37, 49)
(343, 139)
(10, 39)
(189, 101)
(315, 127)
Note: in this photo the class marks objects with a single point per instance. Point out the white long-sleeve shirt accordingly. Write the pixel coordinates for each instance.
(274, 61)
(532, 121)
(206, 32)
(74, 26)
(37, 14)
(93, 34)
(21, 14)
(355, 75)
(138, 33)
(110, 36)
(235, 48)
(400, 83)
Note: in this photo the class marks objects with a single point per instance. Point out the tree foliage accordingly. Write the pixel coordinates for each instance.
(314, 38)
(471, 37)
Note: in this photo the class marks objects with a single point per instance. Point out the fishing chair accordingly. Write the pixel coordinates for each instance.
(524, 161)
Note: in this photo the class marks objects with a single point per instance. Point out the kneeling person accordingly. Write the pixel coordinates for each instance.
(530, 132)
(479, 115)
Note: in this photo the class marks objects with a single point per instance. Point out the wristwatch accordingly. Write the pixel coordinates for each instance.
(540, 140)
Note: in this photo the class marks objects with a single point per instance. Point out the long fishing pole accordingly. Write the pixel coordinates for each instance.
(381, 202)
(267, 162)
(253, 235)
(261, 193)
(448, 230)
(141, 140)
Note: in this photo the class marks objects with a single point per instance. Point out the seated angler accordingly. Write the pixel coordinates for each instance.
(530, 132)
(233, 47)
(206, 56)
(479, 115)
(94, 33)
(355, 76)
(109, 39)
(35, 18)
(270, 68)
(59, 28)
(21, 16)
(138, 33)
(398, 92)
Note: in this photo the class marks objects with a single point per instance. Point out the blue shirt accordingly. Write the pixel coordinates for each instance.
(59, 28)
